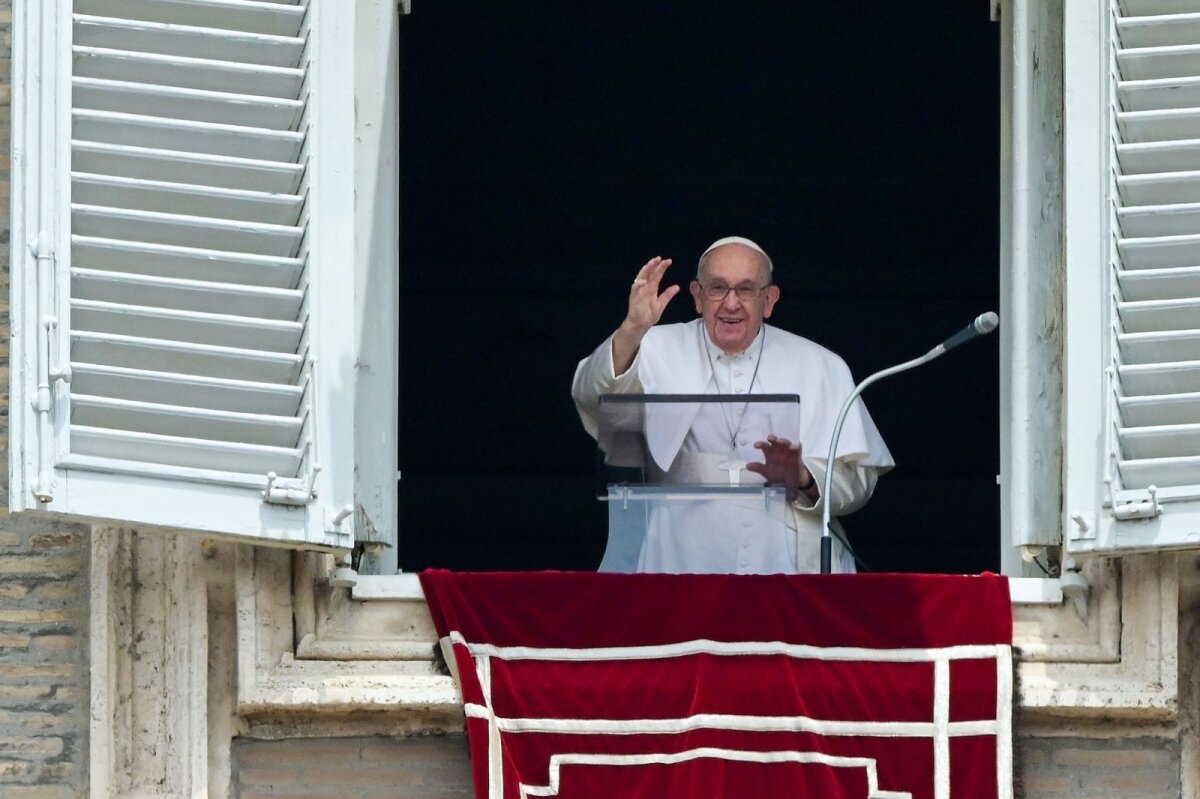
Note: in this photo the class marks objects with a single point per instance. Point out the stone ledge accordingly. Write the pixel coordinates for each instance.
(347, 660)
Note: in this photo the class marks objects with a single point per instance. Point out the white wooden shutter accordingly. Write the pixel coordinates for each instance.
(1132, 152)
(183, 175)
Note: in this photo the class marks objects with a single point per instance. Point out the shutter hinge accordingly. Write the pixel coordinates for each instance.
(1134, 509)
(291, 490)
(47, 374)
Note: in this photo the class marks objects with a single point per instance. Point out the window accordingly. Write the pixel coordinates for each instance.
(1132, 378)
(189, 261)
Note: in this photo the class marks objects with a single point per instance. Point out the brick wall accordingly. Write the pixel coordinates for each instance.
(43, 590)
(43, 651)
(367, 768)
(1116, 768)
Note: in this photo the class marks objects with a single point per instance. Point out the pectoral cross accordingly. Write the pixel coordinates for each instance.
(734, 467)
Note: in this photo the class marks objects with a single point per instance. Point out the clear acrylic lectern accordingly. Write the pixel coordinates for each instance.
(673, 467)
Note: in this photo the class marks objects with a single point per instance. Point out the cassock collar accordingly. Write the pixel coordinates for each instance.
(752, 351)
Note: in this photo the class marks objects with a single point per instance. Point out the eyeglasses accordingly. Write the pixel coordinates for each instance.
(746, 292)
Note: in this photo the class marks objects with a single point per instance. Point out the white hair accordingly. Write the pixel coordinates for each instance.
(766, 259)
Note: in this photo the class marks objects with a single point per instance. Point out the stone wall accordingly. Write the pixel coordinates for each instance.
(43, 659)
(1143, 767)
(434, 767)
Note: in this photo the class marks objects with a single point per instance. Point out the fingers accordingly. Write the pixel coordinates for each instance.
(668, 294)
(652, 271)
(773, 441)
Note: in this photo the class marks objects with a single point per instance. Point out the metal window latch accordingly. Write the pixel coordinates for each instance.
(291, 490)
(1134, 509)
(334, 517)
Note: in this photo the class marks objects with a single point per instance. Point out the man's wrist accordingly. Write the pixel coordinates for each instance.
(807, 486)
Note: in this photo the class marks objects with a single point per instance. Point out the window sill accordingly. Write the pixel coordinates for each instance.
(1114, 652)
(407, 587)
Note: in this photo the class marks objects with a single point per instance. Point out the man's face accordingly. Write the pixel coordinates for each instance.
(733, 322)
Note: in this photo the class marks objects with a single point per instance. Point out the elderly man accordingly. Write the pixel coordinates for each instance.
(730, 350)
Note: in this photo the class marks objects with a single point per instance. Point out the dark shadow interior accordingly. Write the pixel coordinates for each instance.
(549, 149)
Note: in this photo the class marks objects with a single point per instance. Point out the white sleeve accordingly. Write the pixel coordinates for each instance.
(852, 487)
(595, 376)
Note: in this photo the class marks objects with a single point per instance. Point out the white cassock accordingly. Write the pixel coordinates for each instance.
(732, 536)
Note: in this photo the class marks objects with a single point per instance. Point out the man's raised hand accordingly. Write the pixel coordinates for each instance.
(646, 306)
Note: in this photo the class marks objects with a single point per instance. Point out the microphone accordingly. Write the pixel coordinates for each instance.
(984, 323)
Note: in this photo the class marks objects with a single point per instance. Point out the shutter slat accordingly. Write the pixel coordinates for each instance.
(1175, 219)
(1162, 441)
(201, 169)
(172, 420)
(1159, 472)
(1145, 8)
(1155, 63)
(1154, 315)
(183, 357)
(1161, 409)
(179, 134)
(1152, 284)
(1159, 188)
(169, 388)
(187, 41)
(1163, 378)
(1162, 252)
(237, 15)
(1159, 31)
(1162, 93)
(1151, 157)
(221, 330)
(185, 199)
(1160, 347)
(206, 74)
(197, 263)
(196, 453)
(186, 295)
(185, 231)
(1168, 125)
(196, 105)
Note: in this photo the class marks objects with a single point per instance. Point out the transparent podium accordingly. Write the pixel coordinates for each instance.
(674, 471)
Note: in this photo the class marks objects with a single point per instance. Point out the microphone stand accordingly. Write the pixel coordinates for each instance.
(984, 324)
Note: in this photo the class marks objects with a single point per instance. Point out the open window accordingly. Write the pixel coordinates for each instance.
(188, 262)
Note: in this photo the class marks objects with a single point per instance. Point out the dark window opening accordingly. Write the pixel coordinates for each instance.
(548, 149)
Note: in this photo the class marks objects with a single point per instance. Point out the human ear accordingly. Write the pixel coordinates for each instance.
(771, 297)
(697, 296)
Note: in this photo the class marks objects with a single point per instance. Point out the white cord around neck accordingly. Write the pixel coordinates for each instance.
(741, 418)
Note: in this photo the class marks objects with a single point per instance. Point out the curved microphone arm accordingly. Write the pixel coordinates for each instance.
(827, 486)
(983, 324)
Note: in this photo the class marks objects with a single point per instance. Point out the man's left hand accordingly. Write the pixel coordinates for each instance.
(784, 466)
